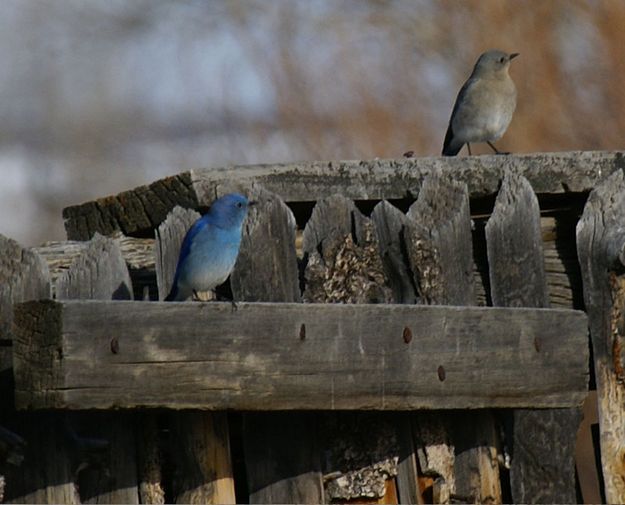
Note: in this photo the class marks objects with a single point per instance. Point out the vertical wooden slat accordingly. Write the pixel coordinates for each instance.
(45, 473)
(543, 441)
(281, 459)
(149, 459)
(440, 249)
(601, 253)
(202, 468)
(364, 454)
(100, 273)
(390, 224)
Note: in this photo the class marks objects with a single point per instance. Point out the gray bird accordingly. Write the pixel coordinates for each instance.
(484, 106)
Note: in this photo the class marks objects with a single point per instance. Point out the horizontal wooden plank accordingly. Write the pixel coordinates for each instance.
(142, 209)
(262, 356)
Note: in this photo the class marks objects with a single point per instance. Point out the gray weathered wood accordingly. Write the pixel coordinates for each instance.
(267, 256)
(361, 456)
(440, 250)
(600, 245)
(203, 469)
(561, 265)
(390, 223)
(99, 272)
(518, 279)
(439, 242)
(407, 469)
(23, 276)
(169, 236)
(343, 258)
(515, 248)
(137, 252)
(206, 355)
(144, 208)
(45, 474)
(266, 270)
(344, 265)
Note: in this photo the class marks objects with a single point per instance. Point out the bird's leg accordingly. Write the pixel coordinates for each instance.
(469, 148)
(497, 151)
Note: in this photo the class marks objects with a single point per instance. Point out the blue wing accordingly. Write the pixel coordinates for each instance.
(185, 249)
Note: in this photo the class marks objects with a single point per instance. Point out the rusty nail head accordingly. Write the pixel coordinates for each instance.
(537, 344)
(114, 345)
(407, 334)
(302, 332)
(441, 373)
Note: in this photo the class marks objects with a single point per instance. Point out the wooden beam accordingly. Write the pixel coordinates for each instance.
(517, 279)
(600, 246)
(106, 354)
(267, 271)
(439, 244)
(200, 441)
(142, 209)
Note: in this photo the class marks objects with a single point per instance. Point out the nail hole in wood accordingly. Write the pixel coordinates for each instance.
(441, 373)
(302, 332)
(407, 335)
(114, 345)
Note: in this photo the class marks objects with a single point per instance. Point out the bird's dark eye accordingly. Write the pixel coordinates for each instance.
(502, 59)
(239, 204)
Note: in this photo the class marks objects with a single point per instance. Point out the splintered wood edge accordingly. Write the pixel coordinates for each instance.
(139, 210)
(275, 368)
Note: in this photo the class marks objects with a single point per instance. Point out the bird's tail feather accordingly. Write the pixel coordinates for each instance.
(172, 294)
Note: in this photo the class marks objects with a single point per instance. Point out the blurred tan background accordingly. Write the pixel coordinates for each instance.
(98, 96)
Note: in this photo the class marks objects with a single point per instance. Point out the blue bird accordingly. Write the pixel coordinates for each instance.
(210, 248)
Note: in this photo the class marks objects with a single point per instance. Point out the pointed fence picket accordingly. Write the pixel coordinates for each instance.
(459, 241)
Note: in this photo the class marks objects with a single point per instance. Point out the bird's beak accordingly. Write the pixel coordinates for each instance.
(514, 55)
(251, 203)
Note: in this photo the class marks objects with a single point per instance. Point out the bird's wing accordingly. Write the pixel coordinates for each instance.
(185, 249)
(450, 134)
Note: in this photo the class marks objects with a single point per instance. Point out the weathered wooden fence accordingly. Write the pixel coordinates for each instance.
(406, 332)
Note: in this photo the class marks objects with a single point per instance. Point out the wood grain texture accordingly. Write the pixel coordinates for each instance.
(440, 249)
(202, 470)
(205, 355)
(343, 262)
(390, 224)
(45, 474)
(543, 442)
(515, 248)
(267, 270)
(99, 272)
(137, 252)
(282, 458)
(439, 242)
(267, 256)
(600, 244)
(140, 210)
(344, 265)
(149, 459)
(23, 276)
(201, 457)
(169, 236)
